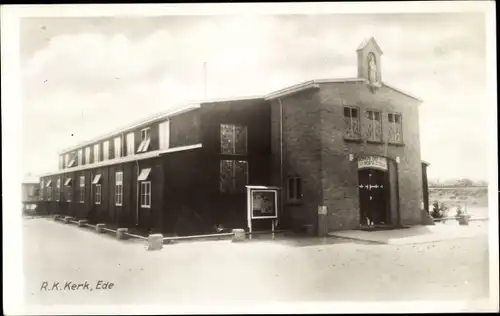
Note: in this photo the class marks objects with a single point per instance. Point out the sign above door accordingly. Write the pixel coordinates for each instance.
(372, 162)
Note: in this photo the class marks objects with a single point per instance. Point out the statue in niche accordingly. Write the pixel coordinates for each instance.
(372, 68)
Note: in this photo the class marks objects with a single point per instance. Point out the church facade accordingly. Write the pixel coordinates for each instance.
(345, 153)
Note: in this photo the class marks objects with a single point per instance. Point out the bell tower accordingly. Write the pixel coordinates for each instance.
(369, 61)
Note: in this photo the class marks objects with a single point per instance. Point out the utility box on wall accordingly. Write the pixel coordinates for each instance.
(322, 221)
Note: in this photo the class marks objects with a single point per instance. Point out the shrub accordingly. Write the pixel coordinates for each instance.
(439, 210)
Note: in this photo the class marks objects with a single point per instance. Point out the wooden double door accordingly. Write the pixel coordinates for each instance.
(374, 197)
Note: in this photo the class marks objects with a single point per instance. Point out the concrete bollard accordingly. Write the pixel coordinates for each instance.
(155, 242)
(463, 220)
(82, 222)
(238, 235)
(120, 233)
(67, 219)
(99, 228)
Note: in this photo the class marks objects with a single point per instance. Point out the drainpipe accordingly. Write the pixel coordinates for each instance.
(397, 195)
(137, 194)
(281, 157)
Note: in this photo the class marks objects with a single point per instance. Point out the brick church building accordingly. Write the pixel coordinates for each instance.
(345, 153)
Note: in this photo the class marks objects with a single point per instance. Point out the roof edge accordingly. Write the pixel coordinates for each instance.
(112, 162)
(402, 92)
(150, 119)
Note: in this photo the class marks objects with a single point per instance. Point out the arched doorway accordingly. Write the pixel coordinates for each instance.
(374, 191)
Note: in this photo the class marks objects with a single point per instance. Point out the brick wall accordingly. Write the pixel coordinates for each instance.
(340, 192)
(315, 150)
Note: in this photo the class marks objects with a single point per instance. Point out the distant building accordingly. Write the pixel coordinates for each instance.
(30, 191)
(348, 146)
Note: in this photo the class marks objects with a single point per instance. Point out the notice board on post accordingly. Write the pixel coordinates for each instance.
(262, 203)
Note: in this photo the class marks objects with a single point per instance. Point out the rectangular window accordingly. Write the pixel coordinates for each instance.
(145, 141)
(164, 133)
(87, 155)
(130, 144)
(68, 193)
(233, 175)
(374, 126)
(40, 192)
(105, 150)
(146, 194)
(67, 189)
(80, 157)
(96, 153)
(66, 160)
(395, 128)
(119, 188)
(118, 147)
(294, 188)
(97, 194)
(351, 123)
(72, 159)
(58, 189)
(233, 139)
(49, 193)
(61, 162)
(82, 189)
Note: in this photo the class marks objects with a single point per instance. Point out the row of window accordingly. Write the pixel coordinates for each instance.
(76, 158)
(352, 126)
(145, 189)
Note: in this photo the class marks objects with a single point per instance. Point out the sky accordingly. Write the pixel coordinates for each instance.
(84, 77)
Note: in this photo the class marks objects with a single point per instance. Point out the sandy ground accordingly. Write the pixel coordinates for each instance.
(210, 271)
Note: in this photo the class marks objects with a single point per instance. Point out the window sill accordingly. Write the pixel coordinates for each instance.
(376, 142)
(145, 206)
(397, 144)
(353, 140)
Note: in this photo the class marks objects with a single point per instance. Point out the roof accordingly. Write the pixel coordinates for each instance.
(366, 42)
(136, 157)
(312, 84)
(149, 120)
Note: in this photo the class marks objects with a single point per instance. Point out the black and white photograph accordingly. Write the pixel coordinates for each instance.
(235, 158)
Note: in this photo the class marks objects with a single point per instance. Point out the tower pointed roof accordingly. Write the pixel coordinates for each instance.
(368, 41)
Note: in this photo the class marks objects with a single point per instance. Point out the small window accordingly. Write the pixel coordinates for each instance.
(97, 179)
(72, 159)
(130, 144)
(233, 139)
(119, 188)
(97, 194)
(233, 175)
(294, 189)
(80, 157)
(87, 155)
(164, 133)
(373, 126)
(97, 156)
(105, 150)
(118, 147)
(351, 123)
(82, 189)
(68, 193)
(395, 128)
(144, 174)
(61, 162)
(145, 141)
(58, 191)
(40, 192)
(146, 194)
